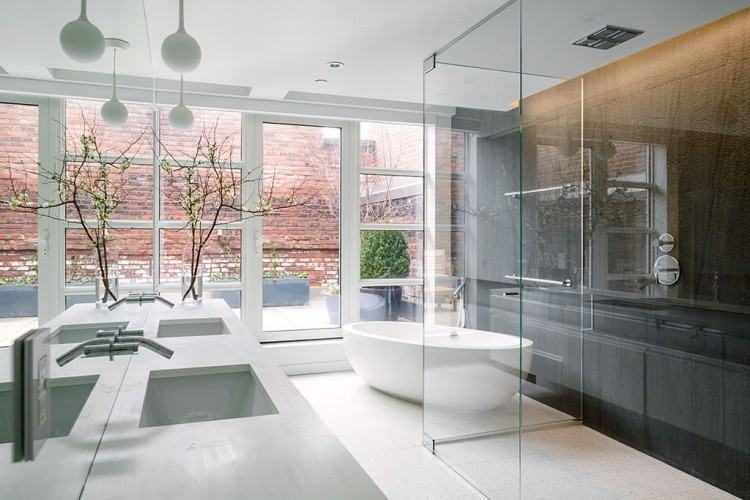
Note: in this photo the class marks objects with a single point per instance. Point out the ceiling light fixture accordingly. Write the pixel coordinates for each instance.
(81, 40)
(180, 51)
(113, 111)
(608, 37)
(335, 64)
(321, 81)
(180, 117)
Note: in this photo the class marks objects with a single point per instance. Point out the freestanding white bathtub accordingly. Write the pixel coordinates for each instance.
(464, 370)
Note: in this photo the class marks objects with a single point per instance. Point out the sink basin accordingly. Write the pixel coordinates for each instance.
(67, 397)
(74, 334)
(202, 394)
(191, 327)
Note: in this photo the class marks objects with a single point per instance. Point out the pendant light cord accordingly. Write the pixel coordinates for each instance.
(182, 92)
(114, 74)
(182, 17)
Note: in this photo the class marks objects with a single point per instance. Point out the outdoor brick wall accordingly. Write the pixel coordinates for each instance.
(19, 131)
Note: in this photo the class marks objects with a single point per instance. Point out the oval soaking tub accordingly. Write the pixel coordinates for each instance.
(466, 370)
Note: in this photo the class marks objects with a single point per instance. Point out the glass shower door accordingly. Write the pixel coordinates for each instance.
(504, 281)
(475, 356)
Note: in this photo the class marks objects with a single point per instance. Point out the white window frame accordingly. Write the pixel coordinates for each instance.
(52, 270)
(50, 284)
(348, 246)
(362, 226)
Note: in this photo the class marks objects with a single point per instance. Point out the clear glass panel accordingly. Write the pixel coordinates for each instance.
(390, 145)
(130, 250)
(133, 137)
(472, 405)
(19, 132)
(130, 189)
(220, 261)
(386, 199)
(301, 243)
(176, 192)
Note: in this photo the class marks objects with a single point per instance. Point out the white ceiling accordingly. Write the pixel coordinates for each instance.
(273, 46)
(278, 46)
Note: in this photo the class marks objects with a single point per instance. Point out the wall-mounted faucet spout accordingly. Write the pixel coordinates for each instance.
(141, 298)
(114, 343)
(458, 294)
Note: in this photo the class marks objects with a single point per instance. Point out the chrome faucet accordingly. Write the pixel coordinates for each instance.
(113, 343)
(140, 298)
(459, 291)
(458, 294)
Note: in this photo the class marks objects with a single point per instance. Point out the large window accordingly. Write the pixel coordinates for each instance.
(19, 132)
(391, 201)
(301, 249)
(221, 261)
(131, 243)
(146, 261)
(296, 268)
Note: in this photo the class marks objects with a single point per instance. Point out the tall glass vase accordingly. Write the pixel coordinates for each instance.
(191, 279)
(107, 283)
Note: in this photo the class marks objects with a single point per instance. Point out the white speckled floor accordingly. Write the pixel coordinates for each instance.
(570, 462)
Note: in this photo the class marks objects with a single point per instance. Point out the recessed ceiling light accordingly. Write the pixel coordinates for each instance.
(335, 64)
(321, 81)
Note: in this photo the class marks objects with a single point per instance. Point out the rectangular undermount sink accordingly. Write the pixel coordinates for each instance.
(191, 327)
(67, 398)
(202, 394)
(75, 334)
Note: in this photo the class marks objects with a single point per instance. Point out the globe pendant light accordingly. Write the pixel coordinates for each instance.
(180, 117)
(81, 40)
(180, 51)
(113, 111)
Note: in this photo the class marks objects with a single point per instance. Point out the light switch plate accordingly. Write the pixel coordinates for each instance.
(32, 415)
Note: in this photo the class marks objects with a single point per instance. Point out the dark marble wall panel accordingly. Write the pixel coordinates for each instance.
(665, 369)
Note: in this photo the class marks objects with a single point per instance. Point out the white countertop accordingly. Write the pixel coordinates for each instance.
(285, 456)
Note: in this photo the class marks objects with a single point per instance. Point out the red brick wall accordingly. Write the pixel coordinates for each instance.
(19, 132)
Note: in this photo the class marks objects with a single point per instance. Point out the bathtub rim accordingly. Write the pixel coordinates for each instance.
(351, 328)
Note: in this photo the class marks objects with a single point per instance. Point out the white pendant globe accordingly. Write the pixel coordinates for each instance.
(180, 117)
(114, 112)
(81, 40)
(180, 51)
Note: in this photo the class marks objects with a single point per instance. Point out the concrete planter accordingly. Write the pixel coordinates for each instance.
(18, 301)
(279, 292)
(231, 297)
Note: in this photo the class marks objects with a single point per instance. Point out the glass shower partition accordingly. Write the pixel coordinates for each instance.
(504, 211)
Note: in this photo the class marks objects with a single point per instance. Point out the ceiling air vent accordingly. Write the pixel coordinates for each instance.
(608, 37)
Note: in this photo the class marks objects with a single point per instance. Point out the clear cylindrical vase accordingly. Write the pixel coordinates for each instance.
(192, 288)
(107, 284)
(107, 290)
(192, 276)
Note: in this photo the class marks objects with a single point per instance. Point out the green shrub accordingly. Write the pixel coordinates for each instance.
(384, 254)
